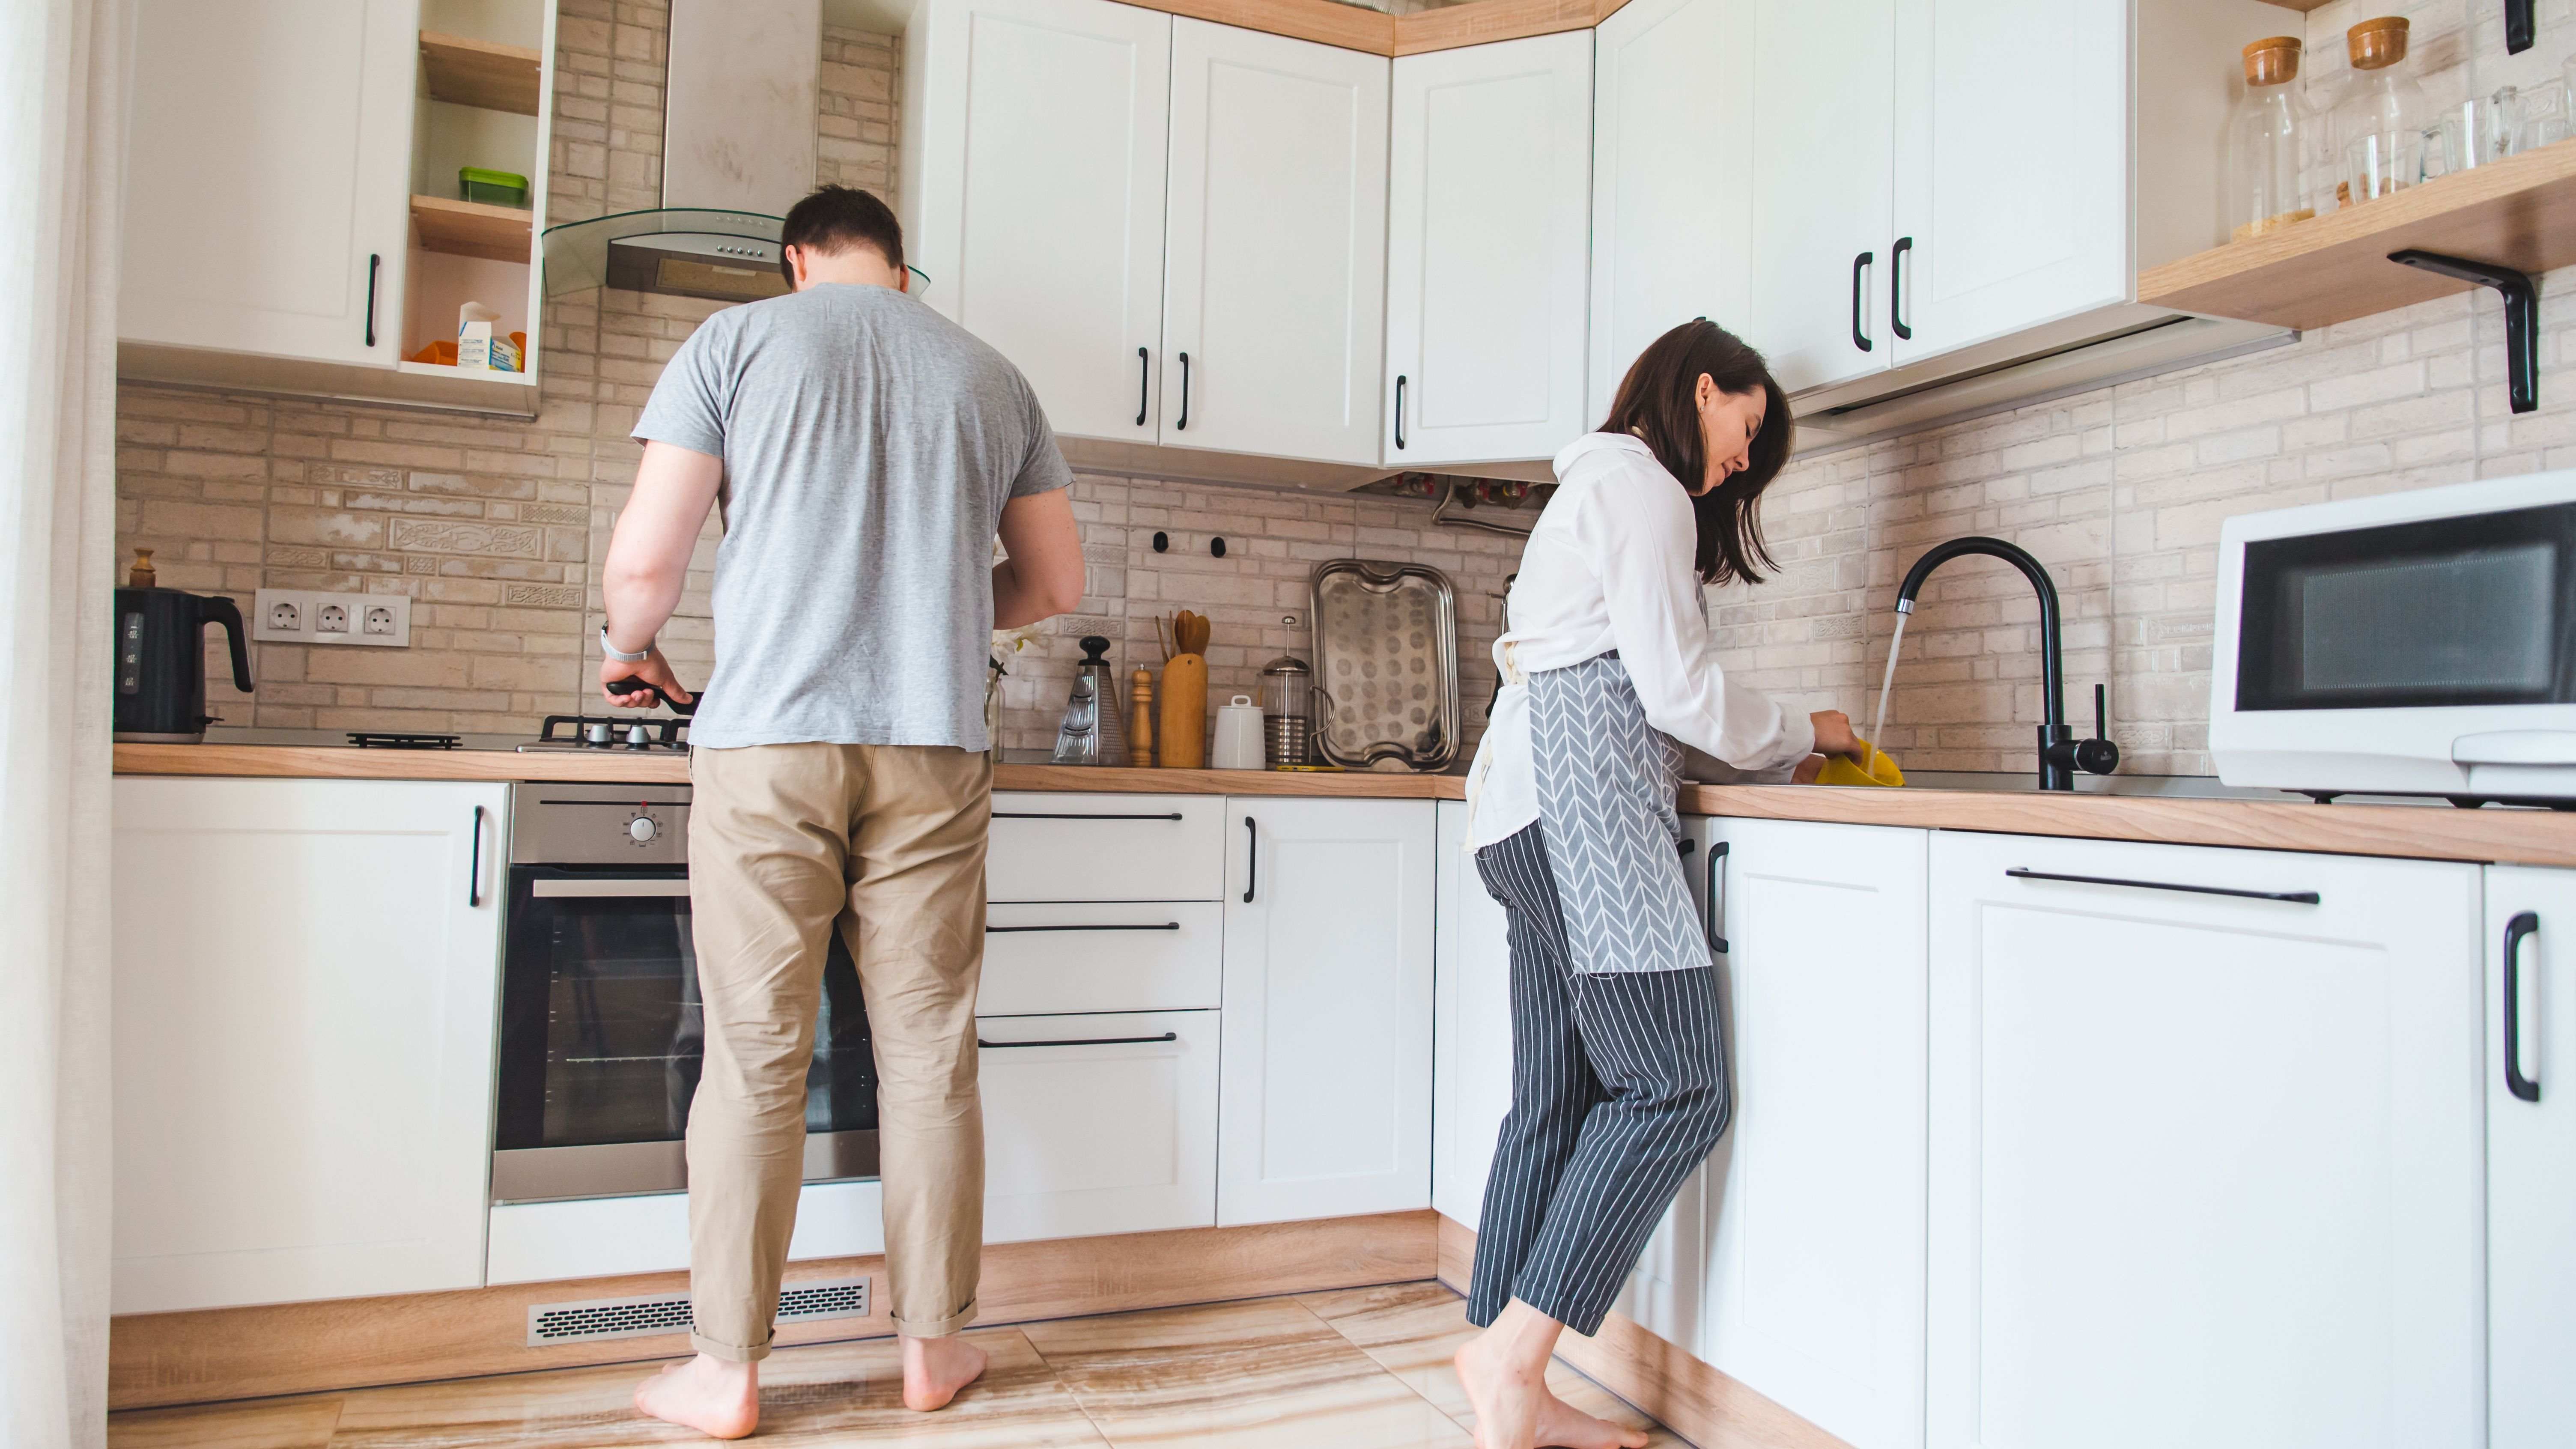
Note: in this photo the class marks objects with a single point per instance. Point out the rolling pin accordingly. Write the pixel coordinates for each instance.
(1184, 723)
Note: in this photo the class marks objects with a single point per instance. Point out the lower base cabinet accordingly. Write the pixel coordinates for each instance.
(1471, 1075)
(2531, 1158)
(2204, 1167)
(306, 974)
(1098, 1124)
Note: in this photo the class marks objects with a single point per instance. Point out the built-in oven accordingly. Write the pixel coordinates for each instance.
(602, 1031)
(2409, 643)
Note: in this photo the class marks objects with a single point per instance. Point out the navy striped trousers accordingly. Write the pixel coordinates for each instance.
(1618, 1092)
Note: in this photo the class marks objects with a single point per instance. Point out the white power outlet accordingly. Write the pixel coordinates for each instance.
(307, 616)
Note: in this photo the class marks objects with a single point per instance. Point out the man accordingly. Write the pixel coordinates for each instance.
(867, 451)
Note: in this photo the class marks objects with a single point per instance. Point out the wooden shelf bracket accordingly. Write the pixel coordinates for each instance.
(2517, 26)
(2521, 316)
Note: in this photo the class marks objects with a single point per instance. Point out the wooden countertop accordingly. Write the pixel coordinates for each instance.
(2431, 832)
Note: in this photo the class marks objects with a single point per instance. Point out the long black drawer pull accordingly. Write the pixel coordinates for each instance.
(1007, 930)
(2516, 931)
(1041, 815)
(1086, 1041)
(1717, 852)
(2296, 898)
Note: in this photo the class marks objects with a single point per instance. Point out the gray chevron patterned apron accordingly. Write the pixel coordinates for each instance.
(1606, 785)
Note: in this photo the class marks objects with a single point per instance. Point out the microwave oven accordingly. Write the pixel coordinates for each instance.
(2418, 643)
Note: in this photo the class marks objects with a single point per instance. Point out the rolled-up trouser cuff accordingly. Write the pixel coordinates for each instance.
(729, 1352)
(937, 1328)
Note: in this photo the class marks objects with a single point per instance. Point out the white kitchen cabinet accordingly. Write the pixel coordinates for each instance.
(306, 978)
(2531, 1158)
(1275, 250)
(1328, 1035)
(2012, 168)
(1812, 1207)
(266, 197)
(1033, 183)
(1105, 847)
(1472, 1037)
(1490, 196)
(1098, 1123)
(1672, 214)
(1822, 77)
(2204, 1164)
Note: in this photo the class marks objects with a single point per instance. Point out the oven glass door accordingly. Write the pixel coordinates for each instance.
(2472, 610)
(603, 1037)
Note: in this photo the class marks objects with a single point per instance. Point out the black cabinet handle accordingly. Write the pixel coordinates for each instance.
(374, 260)
(1049, 815)
(1717, 852)
(2296, 898)
(1251, 858)
(1859, 264)
(2516, 931)
(474, 868)
(1185, 392)
(1144, 385)
(1010, 930)
(1399, 410)
(1896, 287)
(1085, 1041)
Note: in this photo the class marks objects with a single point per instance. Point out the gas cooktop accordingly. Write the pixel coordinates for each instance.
(662, 734)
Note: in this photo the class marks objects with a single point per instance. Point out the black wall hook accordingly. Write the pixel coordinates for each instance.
(2521, 316)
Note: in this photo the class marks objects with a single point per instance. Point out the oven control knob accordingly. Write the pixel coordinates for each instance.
(643, 830)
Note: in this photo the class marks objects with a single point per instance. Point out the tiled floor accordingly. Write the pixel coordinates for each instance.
(1367, 1368)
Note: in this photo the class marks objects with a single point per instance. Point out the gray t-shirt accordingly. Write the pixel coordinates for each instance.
(869, 445)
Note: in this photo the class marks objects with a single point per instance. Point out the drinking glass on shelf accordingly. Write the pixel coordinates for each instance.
(2468, 135)
(2545, 118)
(2380, 164)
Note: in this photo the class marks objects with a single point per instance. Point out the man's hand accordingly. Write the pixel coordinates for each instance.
(653, 669)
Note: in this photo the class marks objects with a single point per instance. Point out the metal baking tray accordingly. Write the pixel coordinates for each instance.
(1386, 665)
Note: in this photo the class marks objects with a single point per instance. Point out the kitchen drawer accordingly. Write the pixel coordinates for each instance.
(1092, 956)
(1106, 848)
(1098, 1124)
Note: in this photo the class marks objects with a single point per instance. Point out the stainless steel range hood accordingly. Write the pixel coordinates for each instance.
(737, 150)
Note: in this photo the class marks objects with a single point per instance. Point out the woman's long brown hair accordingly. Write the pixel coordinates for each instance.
(1658, 402)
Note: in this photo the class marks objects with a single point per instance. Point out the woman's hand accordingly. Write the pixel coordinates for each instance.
(1834, 734)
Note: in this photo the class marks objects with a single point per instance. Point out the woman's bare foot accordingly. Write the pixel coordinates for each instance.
(1563, 1426)
(708, 1394)
(934, 1369)
(1508, 1397)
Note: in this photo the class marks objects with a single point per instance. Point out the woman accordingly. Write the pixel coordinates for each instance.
(1618, 1075)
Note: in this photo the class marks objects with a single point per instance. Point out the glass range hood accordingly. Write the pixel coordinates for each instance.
(675, 251)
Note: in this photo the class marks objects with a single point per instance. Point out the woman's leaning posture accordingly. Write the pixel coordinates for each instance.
(1618, 1073)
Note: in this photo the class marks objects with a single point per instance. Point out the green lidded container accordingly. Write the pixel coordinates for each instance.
(493, 188)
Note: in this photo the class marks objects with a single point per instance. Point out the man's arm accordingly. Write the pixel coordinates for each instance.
(1043, 575)
(648, 562)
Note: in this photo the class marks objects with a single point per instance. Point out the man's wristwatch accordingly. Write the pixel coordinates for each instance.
(620, 655)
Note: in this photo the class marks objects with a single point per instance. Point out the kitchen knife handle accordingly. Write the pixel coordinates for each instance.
(374, 260)
(1144, 385)
(474, 869)
(1860, 264)
(1717, 852)
(1251, 858)
(1896, 287)
(1185, 392)
(2516, 931)
(1399, 410)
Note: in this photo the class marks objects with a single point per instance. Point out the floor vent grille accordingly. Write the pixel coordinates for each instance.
(593, 1318)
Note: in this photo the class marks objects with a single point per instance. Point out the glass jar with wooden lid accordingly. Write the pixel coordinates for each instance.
(2271, 144)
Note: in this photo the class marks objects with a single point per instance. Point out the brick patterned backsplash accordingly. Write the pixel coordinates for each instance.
(495, 527)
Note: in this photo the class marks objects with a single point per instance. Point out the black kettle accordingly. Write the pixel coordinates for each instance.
(161, 658)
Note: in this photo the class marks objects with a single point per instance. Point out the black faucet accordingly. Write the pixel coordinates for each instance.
(2060, 753)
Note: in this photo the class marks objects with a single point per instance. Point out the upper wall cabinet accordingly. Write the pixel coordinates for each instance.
(1274, 261)
(1490, 192)
(1034, 144)
(1671, 235)
(266, 166)
(1822, 76)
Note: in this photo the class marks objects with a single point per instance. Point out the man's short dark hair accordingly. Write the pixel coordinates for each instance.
(835, 218)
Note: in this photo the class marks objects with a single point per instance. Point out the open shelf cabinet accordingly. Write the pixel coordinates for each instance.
(464, 71)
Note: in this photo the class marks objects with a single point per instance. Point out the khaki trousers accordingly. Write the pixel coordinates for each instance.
(886, 844)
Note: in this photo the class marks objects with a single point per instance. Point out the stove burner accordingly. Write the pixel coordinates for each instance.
(592, 732)
(403, 740)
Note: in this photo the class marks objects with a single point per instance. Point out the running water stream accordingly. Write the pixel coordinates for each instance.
(1886, 683)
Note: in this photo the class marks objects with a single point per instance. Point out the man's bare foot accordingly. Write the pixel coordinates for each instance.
(1563, 1426)
(1509, 1400)
(708, 1394)
(934, 1369)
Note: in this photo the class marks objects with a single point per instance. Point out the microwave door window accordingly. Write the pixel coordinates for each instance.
(2457, 612)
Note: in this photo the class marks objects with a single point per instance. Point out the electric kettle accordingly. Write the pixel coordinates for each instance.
(161, 659)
